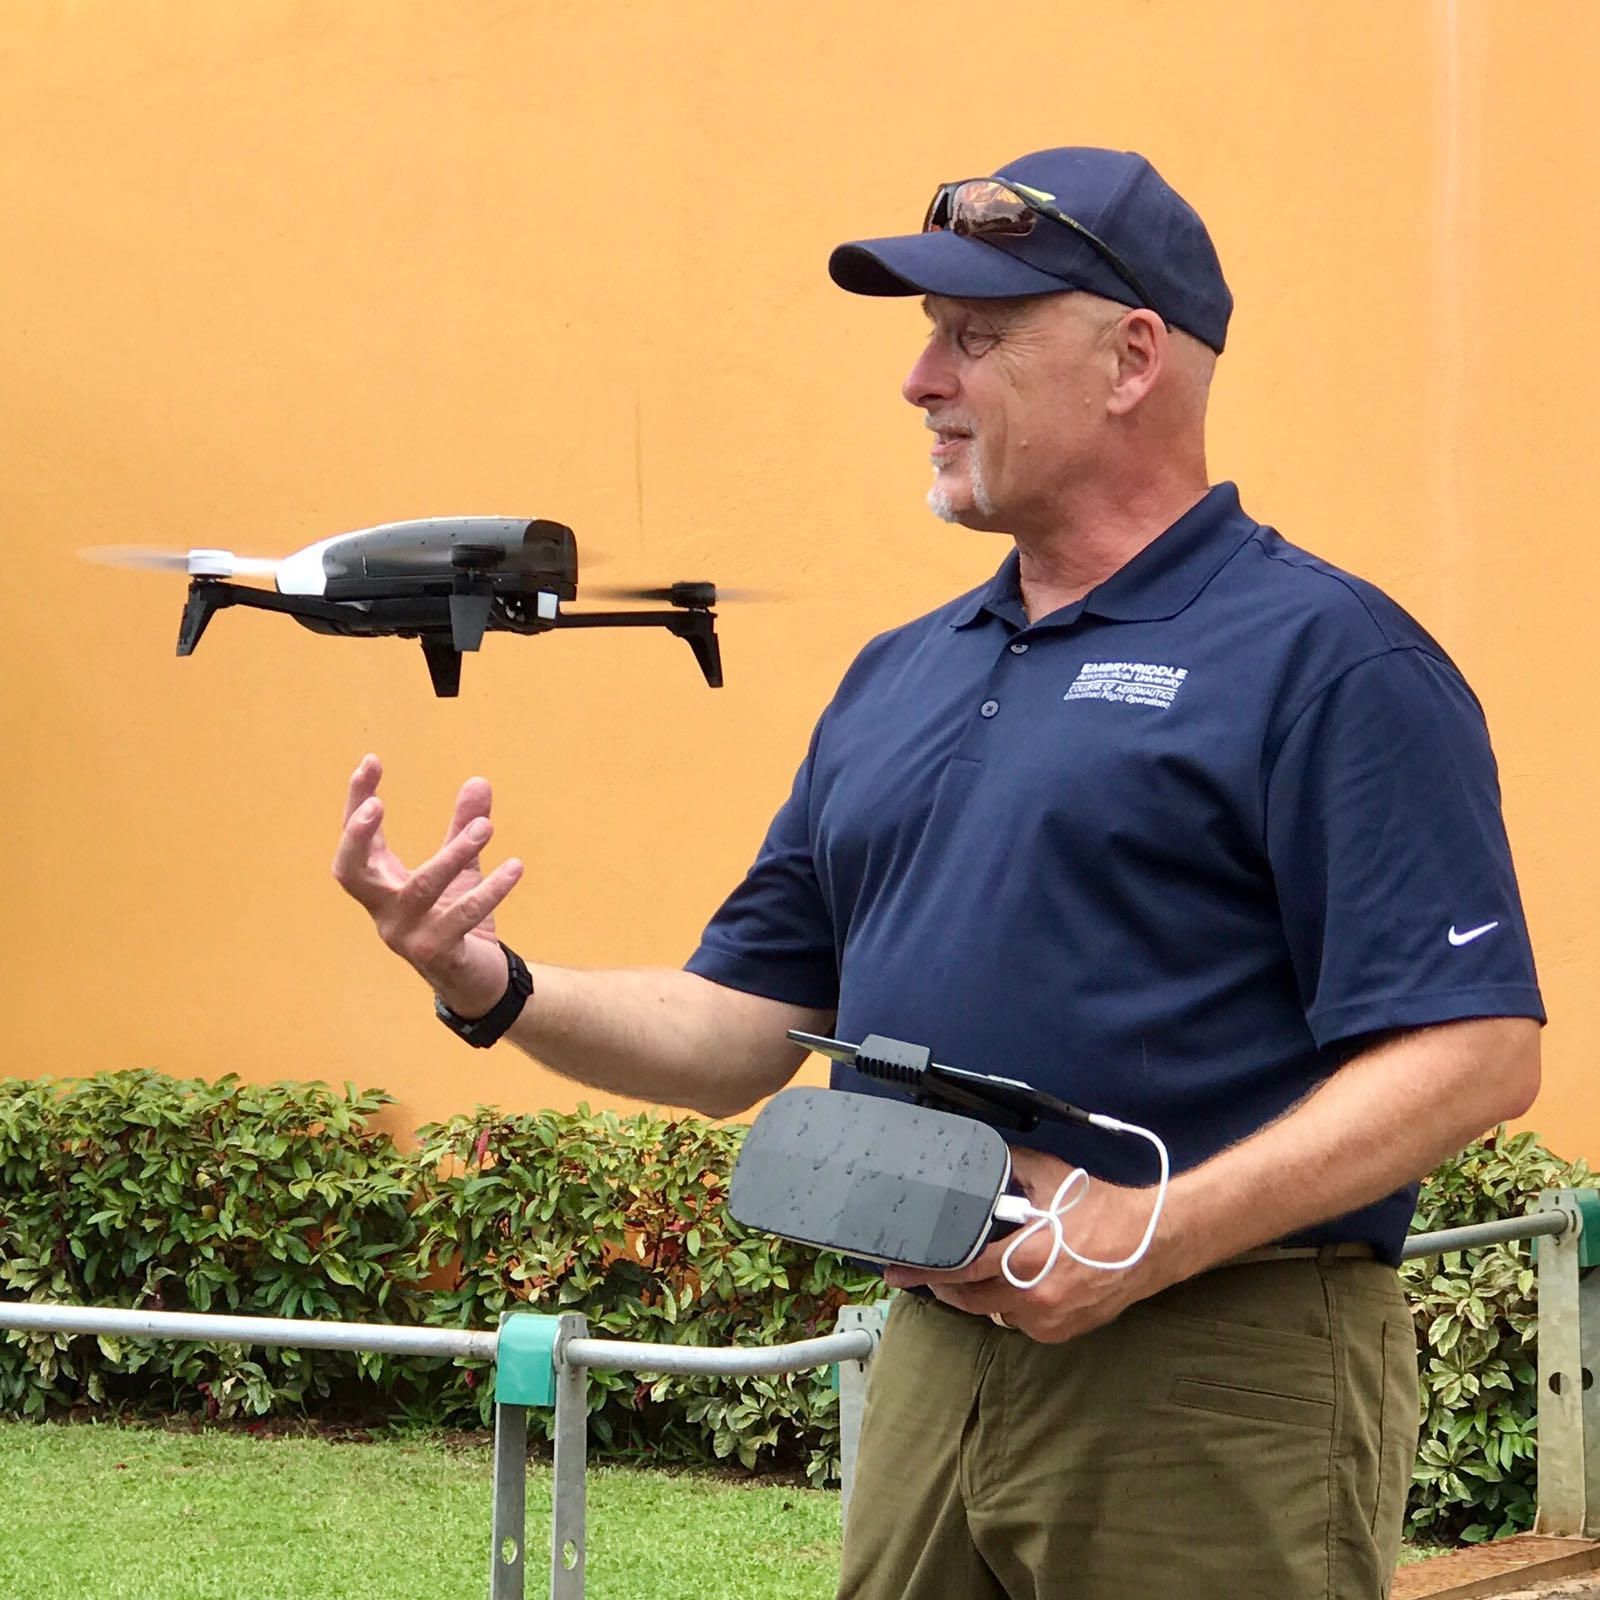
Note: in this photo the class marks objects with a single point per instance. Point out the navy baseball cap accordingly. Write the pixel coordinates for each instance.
(1143, 226)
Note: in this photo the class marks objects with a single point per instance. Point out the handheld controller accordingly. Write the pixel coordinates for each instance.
(921, 1184)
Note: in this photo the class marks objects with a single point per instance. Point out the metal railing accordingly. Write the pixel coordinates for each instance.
(541, 1361)
(544, 1361)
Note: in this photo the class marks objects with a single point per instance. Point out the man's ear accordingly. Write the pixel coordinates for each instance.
(1139, 346)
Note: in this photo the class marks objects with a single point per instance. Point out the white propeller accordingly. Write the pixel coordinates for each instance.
(197, 563)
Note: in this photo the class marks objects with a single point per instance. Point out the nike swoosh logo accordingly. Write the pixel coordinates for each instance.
(1471, 933)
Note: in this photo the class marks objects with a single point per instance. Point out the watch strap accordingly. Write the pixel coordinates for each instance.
(481, 1032)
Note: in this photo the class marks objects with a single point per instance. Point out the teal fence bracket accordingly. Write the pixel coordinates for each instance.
(1588, 1203)
(525, 1359)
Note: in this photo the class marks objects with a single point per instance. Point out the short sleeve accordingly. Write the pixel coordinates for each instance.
(1394, 877)
(773, 936)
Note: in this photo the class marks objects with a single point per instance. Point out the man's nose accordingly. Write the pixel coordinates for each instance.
(931, 380)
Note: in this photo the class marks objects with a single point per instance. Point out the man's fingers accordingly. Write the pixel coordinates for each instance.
(983, 1267)
(363, 785)
(980, 1299)
(472, 801)
(441, 869)
(352, 861)
(407, 906)
(466, 913)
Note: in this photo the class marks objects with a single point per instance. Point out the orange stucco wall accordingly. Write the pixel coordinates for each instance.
(283, 268)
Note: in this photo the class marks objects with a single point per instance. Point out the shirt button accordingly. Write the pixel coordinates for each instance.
(988, 708)
(1019, 649)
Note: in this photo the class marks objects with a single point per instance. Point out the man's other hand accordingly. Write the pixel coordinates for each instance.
(440, 917)
(1105, 1225)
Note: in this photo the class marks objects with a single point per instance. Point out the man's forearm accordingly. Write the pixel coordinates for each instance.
(662, 1035)
(1385, 1119)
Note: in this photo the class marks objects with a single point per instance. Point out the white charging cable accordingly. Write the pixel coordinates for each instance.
(1014, 1208)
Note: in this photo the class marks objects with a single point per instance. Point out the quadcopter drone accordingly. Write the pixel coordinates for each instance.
(445, 581)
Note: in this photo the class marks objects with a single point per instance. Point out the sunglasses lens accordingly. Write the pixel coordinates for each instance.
(979, 207)
(984, 207)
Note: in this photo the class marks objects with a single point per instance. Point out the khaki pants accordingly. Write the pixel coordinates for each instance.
(1248, 1435)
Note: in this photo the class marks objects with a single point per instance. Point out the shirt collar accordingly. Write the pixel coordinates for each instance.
(1162, 580)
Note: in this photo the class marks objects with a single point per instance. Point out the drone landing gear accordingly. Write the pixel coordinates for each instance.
(444, 665)
(699, 629)
(197, 612)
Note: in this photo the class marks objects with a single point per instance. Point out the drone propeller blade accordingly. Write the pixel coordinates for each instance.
(697, 594)
(197, 563)
(127, 555)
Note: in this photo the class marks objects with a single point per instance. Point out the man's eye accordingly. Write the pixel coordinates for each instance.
(975, 341)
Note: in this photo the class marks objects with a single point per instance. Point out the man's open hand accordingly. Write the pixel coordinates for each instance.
(440, 918)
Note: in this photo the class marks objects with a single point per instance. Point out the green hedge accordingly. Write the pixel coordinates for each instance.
(1477, 1335)
(136, 1189)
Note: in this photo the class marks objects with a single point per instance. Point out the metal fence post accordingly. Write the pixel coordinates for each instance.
(1569, 1359)
(853, 1377)
(509, 1538)
(569, 1509)
(524, 1376)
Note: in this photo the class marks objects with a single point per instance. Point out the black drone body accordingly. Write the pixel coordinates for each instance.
(445, 581)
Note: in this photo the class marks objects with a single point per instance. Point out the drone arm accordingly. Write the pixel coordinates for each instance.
(698, 627)
(207, 595)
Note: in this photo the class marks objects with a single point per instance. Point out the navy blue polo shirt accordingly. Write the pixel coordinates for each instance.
(1171, 852)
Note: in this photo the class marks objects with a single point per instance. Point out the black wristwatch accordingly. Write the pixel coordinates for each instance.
(481, 1032)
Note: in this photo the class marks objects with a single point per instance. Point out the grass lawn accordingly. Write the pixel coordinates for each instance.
(106, 1513)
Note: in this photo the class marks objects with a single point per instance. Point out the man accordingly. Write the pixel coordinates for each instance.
(1170, 818)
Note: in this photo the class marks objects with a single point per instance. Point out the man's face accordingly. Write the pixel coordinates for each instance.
(1011, 389)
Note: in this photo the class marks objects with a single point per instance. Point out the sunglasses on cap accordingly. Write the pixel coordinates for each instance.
(993, 208)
